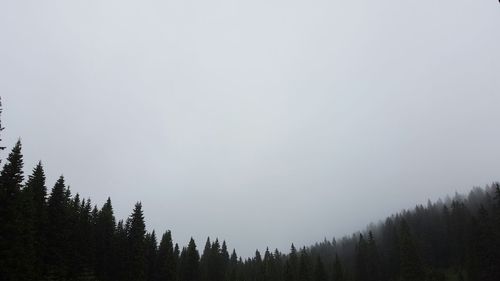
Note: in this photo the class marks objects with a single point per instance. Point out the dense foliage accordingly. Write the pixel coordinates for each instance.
(59, 236)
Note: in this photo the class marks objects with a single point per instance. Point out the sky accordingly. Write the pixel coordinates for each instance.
(258, 122)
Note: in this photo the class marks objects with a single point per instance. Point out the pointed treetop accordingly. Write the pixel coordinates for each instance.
(1, 128)
(12, 172)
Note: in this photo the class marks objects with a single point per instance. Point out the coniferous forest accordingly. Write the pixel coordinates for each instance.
(52, 234)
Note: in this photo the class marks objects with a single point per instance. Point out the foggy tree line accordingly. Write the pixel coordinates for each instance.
(55, 235)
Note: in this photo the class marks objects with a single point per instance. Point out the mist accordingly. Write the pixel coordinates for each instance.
(262, 123)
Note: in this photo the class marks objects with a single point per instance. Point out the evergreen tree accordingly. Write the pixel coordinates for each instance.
(58, 233)
(205, 261)
(304, 267)
(177, 262)
(216, 263)
(1, 128)
(36, 187)
(166, 258)
(277, 271)
(288, 272)
(319, 271)
(104, 234)
(233, 267)
(120, 252)
(293, 261)
(268, 264)
(258, 267)
(338, 271)
(16, 225)
(190, 259)
(151, 256)
(361, 260)
(411, 265)
(373, 259)
(137, 246)
(483, 260)
(224, 259)
(82, 249)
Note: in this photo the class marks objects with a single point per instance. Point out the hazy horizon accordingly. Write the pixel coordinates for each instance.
(261, 123)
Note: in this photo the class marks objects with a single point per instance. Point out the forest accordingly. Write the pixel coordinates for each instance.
(52, 234)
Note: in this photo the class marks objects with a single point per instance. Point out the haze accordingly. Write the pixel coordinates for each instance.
(259, 122)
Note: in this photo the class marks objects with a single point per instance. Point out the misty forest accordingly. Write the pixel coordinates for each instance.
(52, 234)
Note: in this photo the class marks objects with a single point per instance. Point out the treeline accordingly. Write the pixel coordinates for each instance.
(59, 236)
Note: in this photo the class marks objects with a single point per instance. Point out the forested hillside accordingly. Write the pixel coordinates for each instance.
(56, 235)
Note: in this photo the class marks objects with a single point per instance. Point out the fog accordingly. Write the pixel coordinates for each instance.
(259, 122)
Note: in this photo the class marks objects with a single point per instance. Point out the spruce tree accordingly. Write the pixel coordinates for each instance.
(361, 272)
(151, 256)
(216, 266)
(104, 235)
(1, 128)
(58, 231)
(82, 245)
(224, 259)
(338, 270)
(305, 266)
(233, 267)
(411, 266)
(288, 272)
(319, 271)
(190, 260)
(166, 264)
(277, 271)
(258, 267)
(16, 225)
(206, 261)
(268, 264)
(177, 262)
(373, 264)
(120, 252)
(36, 186)
(137, 246)
(293, 261)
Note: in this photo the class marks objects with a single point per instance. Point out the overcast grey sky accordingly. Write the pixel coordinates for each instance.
(259, 122)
